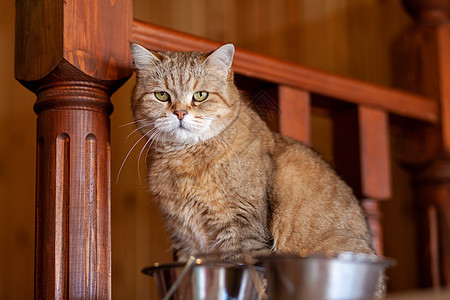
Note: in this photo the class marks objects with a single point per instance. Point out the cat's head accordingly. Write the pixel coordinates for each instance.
(184, 97)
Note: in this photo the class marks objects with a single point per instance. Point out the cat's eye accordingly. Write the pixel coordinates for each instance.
(200, 96)
(162, 96)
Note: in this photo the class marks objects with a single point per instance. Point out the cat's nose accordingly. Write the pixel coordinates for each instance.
(180, 113)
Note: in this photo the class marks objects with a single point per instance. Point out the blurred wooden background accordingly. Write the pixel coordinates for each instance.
(347, 37)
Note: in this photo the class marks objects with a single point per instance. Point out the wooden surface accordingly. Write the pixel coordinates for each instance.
(43, 23)
(18, 172)
(443, 47)
(295, 114)
(82, 57)
(433, 211)
(73, 208)
(59, 41)
(374, 153)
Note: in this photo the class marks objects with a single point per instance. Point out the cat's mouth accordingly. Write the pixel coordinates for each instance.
(183, 125)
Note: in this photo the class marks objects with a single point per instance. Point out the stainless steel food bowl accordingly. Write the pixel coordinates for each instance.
(211, 280)
(345, 276)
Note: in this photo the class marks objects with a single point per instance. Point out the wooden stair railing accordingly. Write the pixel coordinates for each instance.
(74, 54)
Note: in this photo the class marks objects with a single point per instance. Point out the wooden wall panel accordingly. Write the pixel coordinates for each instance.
(17, 171)
(348, 37)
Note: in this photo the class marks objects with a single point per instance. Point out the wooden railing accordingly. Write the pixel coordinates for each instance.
(288, 74)
(74, 61)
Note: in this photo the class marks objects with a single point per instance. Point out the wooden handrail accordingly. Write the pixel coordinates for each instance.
(285, 73)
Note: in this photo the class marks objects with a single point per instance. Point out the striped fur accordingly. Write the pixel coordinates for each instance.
(224, 182)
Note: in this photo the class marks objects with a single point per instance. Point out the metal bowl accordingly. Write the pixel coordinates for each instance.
(345, 276)
(211, 280)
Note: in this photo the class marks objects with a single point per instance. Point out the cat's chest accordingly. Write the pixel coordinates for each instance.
(201, 164)
(166, 169)
(186, 177)
(195, 193)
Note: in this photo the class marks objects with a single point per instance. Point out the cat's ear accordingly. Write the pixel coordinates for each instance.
(222, 58)
(142, 57)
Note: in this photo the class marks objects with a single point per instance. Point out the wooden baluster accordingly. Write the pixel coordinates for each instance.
(73, 55)
(363, 160)
(422, 53)
(375, 167)
(295, 113)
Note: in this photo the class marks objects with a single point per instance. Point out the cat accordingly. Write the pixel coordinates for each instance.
(223, 181)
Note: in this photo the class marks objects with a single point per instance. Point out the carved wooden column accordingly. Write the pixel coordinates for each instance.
(73, 55)
(421, 63)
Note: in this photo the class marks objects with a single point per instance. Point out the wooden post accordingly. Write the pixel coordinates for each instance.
(422, 53)
(375, 167)
(295, 113)
(73, 55)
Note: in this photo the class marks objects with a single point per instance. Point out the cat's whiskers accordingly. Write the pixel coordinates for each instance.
(206, 118)
(154, 137)
(138, 129)
(150, 146)
(128, 154)
(139, 158)
(133, 122)
(129, 123)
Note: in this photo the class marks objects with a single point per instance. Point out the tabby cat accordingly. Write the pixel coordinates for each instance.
(223, 181)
